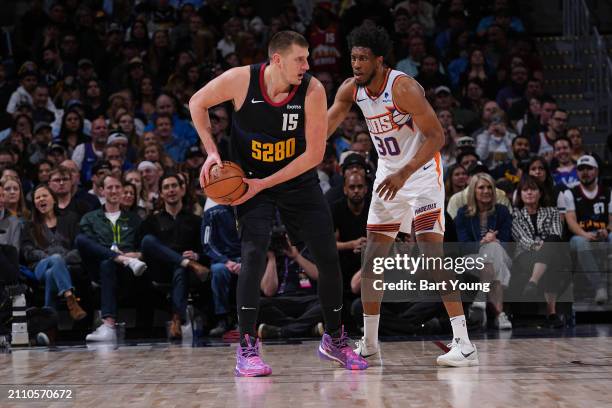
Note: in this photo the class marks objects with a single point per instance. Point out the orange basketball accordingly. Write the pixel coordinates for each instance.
(225, 184)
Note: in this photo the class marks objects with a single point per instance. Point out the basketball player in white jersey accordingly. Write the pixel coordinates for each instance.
(408, 186)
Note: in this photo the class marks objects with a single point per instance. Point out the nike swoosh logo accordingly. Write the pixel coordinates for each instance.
(254, 101)
(468, 354)
(426, 167)
(361, 100)
(247, 308)
(339, 309)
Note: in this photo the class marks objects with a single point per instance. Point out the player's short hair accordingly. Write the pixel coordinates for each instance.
(375, 39)
(283, 40)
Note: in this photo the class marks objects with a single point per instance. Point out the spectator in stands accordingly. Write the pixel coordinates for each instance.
(171, 246)
(430, 77)
(531, 116)
(515, 90)
(474, 66)
(494, 145)
(536, 223)
(77, 190)
(47, 248)
(86, 154)
(543, 143)
(444, 100)
(328, 170)
(290, 306)
(416, 51)
(121, 142)
(468, 159)
(99, 171)
(165, 104)
(109, 242)
(42, 172)
(221, 244)
(174, 146)
(129, 200)
(41, 109)
(14, 199)
(456, 180)
(444, 40)
(60, 183)
(350, 218)
(37, 150)
(71, 133)
(487, 224)
(353, 163)
(135, 178)
(588, 206)
(575, 136)
(28, 78)
(150, 186)
(461, 198)
(10, 227)
(520, 108)
(512, 169)
(564, 174)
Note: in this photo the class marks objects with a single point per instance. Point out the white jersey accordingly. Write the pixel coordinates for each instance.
(394, 134)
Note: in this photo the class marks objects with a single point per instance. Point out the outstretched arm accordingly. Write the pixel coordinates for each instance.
(341, 107)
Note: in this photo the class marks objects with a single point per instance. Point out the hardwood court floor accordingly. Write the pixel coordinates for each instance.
(523, 372)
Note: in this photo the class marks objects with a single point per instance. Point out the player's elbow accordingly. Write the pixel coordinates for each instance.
(195, 102)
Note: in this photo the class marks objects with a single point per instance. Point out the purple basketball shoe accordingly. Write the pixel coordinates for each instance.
(338, 349)
(248, 361)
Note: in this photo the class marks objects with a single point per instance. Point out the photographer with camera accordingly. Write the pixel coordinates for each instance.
(290, 306)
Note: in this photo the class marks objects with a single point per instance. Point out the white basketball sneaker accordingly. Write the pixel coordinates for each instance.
(364, 349)
(103, 333)
(461, 354)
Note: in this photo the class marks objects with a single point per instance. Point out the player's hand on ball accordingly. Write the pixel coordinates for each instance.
(254, 186)
(211, 160)
(389, 187)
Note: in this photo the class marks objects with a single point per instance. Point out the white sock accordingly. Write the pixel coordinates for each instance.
(460, 328)
(370, 329)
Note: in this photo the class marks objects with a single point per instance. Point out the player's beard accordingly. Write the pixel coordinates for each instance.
(367, 81)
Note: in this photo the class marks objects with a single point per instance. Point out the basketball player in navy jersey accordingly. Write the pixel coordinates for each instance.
(278, 137)
(408, 185)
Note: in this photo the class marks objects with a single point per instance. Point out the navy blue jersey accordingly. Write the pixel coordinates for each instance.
(267, 135)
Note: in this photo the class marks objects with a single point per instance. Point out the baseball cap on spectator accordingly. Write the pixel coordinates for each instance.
(85, 62)
(478, 167)
(41, 125)
(441, 89)
(587, 161)
(100, 165)
(194, 151)
(145, 164)
(115, 136)
(56, 147)
(354, 159)
(465, 141)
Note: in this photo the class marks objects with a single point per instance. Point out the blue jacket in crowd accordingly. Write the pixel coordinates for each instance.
(220, 239)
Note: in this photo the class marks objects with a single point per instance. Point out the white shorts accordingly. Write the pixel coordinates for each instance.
(419, 202)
